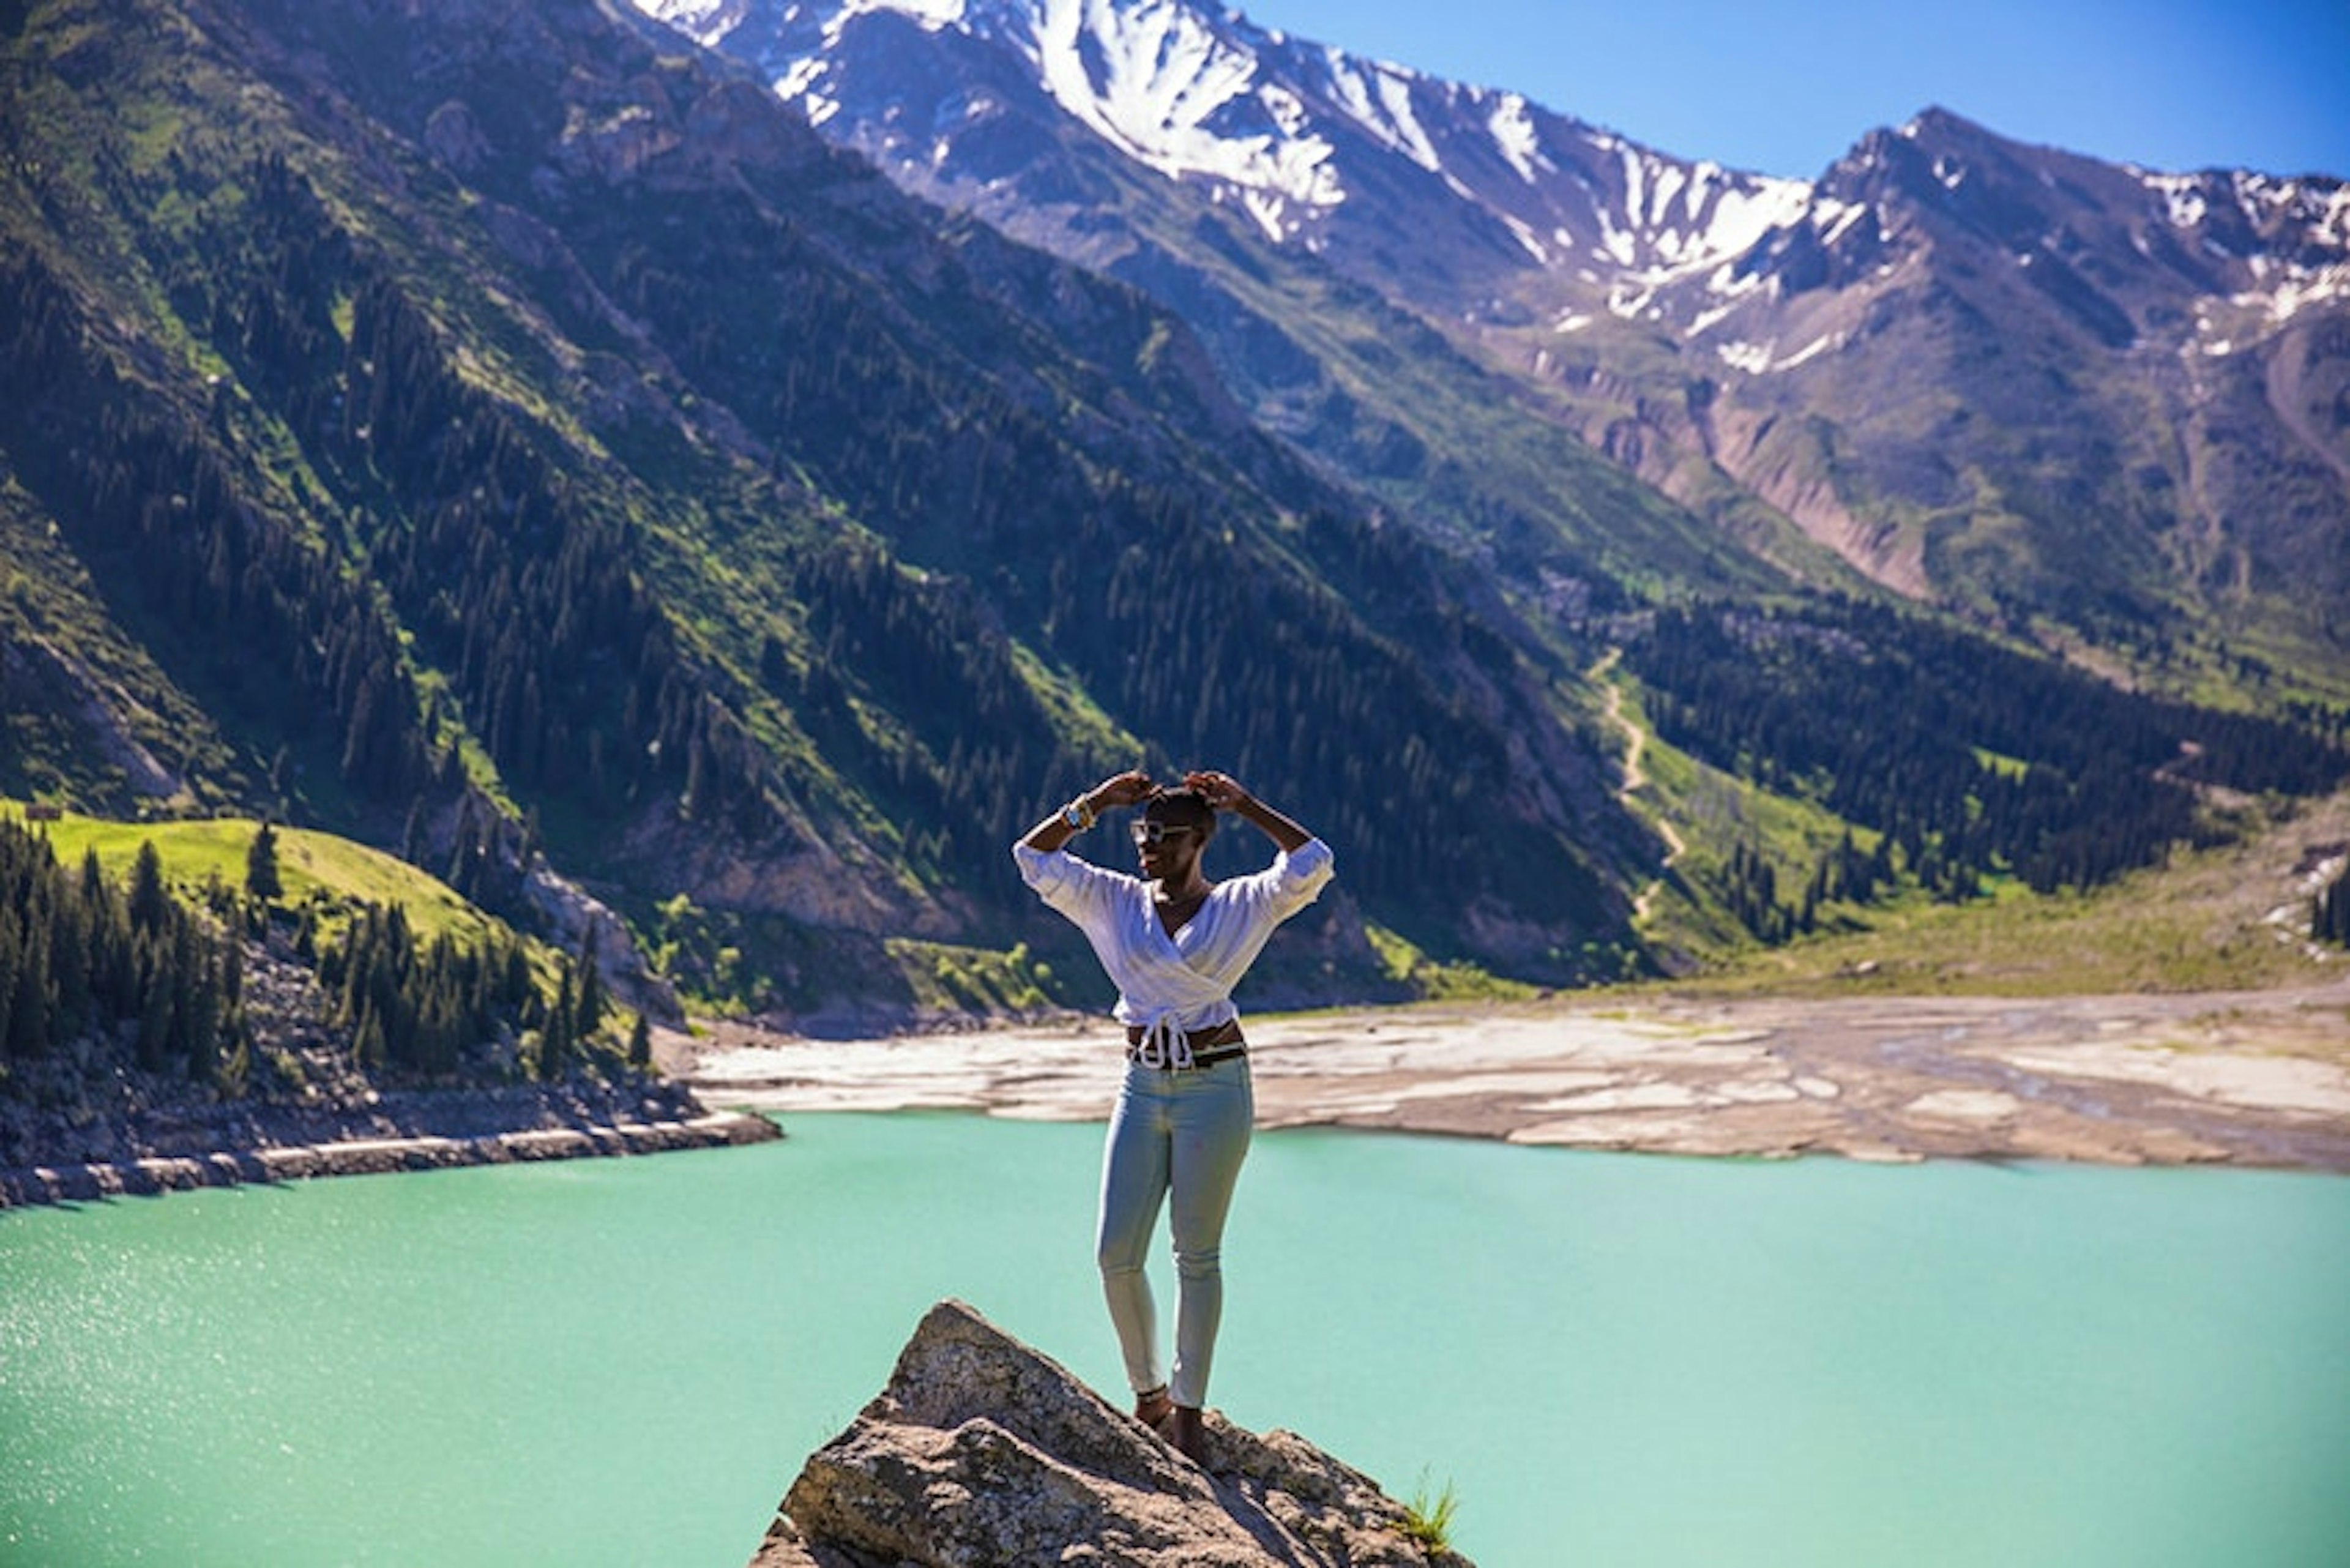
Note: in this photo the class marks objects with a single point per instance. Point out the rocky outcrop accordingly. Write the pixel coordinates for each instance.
(983, 1451)
(87, 1152)
(146, 1177)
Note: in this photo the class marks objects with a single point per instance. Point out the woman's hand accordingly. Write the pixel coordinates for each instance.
(1130, 788)
(1223, 792)
(1219, 789)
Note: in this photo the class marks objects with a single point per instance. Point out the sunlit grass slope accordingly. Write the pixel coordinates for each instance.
(2234, 918)
(195, 853)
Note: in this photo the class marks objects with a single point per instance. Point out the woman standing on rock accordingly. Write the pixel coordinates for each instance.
(1175, 945)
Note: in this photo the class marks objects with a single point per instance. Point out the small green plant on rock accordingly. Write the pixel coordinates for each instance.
(1429, 1520)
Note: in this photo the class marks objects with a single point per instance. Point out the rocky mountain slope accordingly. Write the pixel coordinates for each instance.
(501, 429)
(2097, 404)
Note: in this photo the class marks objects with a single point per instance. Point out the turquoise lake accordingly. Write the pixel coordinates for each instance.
(1614, 1359)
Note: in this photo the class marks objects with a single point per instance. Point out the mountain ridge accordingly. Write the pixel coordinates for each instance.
(1786, 357)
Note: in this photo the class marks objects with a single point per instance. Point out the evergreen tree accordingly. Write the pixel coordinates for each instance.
(555, 1044)
(76, 956)
(11, 970)
(2329, 912)
(588, 1009)
(157, 992)
(28, 1014)
(260, 877)
(369, 1049)
(151, 902)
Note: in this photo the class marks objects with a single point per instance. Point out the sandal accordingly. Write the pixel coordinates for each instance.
(1152, 1406)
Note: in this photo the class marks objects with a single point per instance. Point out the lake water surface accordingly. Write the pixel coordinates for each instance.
(1614, 1359)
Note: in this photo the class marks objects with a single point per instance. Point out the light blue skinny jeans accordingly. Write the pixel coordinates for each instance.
(1180, 1136)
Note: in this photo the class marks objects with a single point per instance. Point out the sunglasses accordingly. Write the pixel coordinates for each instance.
(1152, 832)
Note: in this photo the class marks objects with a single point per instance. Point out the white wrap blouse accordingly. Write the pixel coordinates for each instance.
(1173, 987)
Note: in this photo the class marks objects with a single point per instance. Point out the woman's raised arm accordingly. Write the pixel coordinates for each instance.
(1224, 792)
(1129, 788)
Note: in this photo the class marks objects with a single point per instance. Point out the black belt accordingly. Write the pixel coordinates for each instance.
(1224, 1042)
(1198, 1058)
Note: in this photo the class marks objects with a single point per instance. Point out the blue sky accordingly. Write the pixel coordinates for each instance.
(1784, 89)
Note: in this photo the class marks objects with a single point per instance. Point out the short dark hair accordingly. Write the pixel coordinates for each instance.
(1185, 807)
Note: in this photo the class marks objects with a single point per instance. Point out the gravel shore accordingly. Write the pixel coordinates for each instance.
(2254, 1078)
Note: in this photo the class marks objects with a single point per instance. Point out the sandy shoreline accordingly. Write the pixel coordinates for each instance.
(2253, 1078)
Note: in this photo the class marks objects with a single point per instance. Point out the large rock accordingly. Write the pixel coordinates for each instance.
(981, 1451)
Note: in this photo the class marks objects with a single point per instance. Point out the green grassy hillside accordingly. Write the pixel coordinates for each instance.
(2226, 918)
(314, 866)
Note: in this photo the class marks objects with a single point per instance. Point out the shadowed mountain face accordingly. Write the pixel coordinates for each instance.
(2104, 404)
(501, 410)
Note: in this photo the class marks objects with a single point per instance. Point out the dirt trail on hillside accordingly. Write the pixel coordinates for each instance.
(1636, 742)
(2258, 1078)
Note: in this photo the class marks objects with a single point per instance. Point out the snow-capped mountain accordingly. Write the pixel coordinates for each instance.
(2212, 261)
(2000, 376)
(1302, 137)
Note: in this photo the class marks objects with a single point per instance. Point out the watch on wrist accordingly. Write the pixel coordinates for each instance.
(1079, 814)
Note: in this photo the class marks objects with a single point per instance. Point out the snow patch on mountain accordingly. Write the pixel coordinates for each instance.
(1743, 211)
(1526, 235)
(2182, 198)
(705, 21)
(1176, 93)
(1195, 91)
(798, 84)
(2222, 211)
(1689, 217)
(2319, 209)
(1378, 98)
(1837, 218)
(2303, 287)
(1760, 359)
(1754, 358)
(1514, 133)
